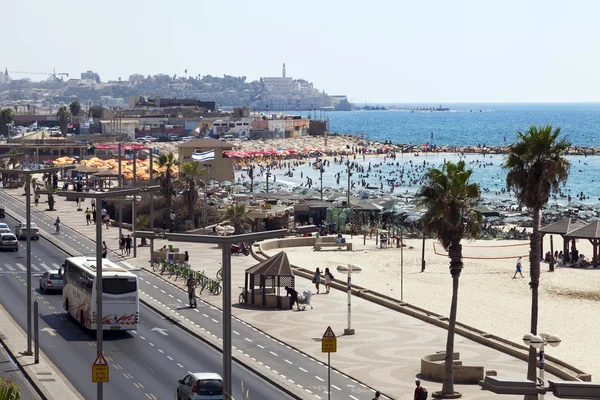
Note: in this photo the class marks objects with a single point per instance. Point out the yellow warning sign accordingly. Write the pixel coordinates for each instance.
(329, 341)
(100, 369)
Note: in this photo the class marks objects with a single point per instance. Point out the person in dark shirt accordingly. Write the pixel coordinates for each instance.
(293, 296)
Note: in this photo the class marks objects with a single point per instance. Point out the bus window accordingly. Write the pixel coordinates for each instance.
(119, 285)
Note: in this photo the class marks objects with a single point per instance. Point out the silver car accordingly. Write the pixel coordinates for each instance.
(200, 386)
(21, 231)
(8, 241)
(4, 228)
(52, 280)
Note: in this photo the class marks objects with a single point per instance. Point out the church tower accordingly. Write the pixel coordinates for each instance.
(283, 70)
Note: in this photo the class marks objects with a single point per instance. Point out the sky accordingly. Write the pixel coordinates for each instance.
(403, 51)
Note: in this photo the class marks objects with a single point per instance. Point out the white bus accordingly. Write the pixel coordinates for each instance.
(120, 299)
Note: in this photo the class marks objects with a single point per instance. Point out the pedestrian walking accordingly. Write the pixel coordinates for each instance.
(107, 220)
(104, 250)
(420, 391)
(317, 279)
(328, 279)
(36, 199)
(128, 245)
(377, 394)
(93, 202)
(88, 215)
(519, 269)
(293, 297)
(186, 259)
(122, 243)
(94, 216)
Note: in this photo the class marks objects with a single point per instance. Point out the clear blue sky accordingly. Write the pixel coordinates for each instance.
(435, 51)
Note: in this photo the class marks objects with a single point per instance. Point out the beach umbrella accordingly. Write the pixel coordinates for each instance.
(226, 183)
(412, 218)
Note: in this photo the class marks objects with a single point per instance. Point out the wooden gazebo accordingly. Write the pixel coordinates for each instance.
(561, 227)
(266, 279)
(590, 232)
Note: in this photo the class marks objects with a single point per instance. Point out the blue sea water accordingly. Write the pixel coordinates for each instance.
(470, 124)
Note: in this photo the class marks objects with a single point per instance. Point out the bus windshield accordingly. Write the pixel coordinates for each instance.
(119, 285)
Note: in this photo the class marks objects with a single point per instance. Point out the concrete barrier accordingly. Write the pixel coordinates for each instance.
(432, 367)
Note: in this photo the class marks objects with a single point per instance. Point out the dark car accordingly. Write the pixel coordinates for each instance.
(2, 213)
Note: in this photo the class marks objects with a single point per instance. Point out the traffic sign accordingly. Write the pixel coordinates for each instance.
(329, 341)
(100, 369)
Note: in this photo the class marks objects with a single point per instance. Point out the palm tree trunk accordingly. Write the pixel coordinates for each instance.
(455, 254)
(534, 262)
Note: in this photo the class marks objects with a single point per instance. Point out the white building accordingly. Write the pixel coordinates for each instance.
(280, 85)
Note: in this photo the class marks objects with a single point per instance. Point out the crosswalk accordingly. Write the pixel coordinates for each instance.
(20, 268)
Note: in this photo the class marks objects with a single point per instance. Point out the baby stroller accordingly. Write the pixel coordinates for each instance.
(304, 300)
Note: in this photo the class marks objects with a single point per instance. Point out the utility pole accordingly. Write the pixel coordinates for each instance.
(133, 208)
(321, 170)
(120, 186)
(268, 175)
(349, 175)
(251, 175)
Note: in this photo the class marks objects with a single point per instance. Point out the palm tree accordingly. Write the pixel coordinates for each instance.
(166, 162)
(192, 178)
(63, 115)
(74, 108)
(141, 223)
(237, 215)
(536, 168)
(450, 199)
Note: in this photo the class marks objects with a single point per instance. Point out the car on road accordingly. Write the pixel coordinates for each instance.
(2, 212)
(187, 138)
(8, 241)
(4, 228)
(52, 280)
(146, 139)
(200, 386)
(21, 231)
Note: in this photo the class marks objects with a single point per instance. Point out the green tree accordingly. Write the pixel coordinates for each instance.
(166, 162)
(6, 117)
(237, 215)
(64, 116)
(9, 389)
(536, 168)
(141, 223)
(191, 177)
(450, 200)
(74, 108)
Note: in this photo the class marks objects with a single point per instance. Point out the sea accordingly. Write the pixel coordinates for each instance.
(462, 125)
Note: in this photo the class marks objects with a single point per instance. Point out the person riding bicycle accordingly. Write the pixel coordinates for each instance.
(57, 224)
(191, 285)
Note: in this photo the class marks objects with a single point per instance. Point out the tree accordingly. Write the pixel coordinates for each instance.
(450, 199)
(536, 168)
(63, 115)
(74, 108)
(6, 117)
(192, 176)
(141, 223)
(9, 389)
(166, 162)
(237, 215)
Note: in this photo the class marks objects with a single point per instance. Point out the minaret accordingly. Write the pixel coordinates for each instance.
(283, 70)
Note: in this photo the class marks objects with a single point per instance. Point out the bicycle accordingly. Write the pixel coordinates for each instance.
(243, 296)
(213, 287)
(220, 274)
(192, 298)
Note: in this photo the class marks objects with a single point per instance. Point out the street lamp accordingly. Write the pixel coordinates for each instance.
(538, 342)
(28, 174)
(349, 269)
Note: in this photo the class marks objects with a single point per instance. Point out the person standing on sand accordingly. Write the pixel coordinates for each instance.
(317, 279)
(518, 271)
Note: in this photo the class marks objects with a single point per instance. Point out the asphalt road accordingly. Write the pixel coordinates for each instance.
(307, 373)
(144, 364)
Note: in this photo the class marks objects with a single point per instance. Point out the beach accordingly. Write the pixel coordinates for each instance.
(489, 298)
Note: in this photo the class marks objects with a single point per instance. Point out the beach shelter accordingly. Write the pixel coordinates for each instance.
(561, 227)
(590, 232)
(266, 280)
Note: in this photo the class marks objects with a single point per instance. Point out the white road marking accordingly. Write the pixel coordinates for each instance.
(289, 362)
(321, 379)
(9, 267)
(56, 266)
(275, 354)
(170, 358)
(47, 268)
(179, 365)
(302, 369)
(262, 347)
(335, 387)
(163, 291)
(249, 340)
(352, 397)
(35, 268)
(21, 266)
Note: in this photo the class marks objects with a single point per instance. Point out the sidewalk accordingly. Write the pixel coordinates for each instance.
(385, 353)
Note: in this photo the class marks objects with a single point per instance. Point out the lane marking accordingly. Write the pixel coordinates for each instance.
(21, 266)
(9, 267)
(319, 378)
(275, 354)
(47, 268)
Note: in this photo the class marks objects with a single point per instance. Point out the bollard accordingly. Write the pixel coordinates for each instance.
(36, 332)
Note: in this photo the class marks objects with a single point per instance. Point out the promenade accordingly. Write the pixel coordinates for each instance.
(384, 354)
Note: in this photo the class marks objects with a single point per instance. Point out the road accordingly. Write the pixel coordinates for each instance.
(309, 374)
(145, 363)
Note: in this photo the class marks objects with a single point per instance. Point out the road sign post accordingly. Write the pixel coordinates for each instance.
(100, 370)
(329, 345)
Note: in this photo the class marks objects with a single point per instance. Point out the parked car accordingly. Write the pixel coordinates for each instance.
(2, 212)
(21, 231)
(8, 241)
(52, 280)
(146, 139)
(4, 228)
(187, 138)
(200, 386)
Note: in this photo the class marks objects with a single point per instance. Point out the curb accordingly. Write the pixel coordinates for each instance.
(561, 369)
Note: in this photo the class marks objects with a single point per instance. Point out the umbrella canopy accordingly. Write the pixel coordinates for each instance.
(278, 265)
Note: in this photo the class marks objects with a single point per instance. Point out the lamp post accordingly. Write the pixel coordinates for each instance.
(349, 269)
(538, 342)
(28, 174)
(349, 175)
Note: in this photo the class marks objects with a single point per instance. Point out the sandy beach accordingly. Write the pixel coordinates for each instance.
(489, 298)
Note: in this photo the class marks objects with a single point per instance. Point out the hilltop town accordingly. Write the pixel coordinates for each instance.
(268, 93)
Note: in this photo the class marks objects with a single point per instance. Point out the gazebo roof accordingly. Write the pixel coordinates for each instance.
(563, 226)
(278, 265)
(364, 205)
(589, 231)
